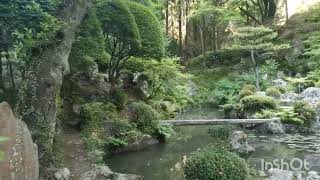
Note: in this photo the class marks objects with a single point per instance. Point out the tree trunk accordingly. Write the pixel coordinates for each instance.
(256, 70)
(180, 27)
(167, 17)
(37, 104)
(203, 46)
(13, 86)
(287, 10)
(1, 77)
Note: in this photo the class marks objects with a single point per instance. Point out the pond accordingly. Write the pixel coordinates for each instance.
(163, 161)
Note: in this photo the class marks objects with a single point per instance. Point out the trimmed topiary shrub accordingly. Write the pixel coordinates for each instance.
(256, 103)
(221, 132)
(305, 112)
(152, 39)
(249, 87)
(247, 90)
(216, 164)
(119, 98)
(145, 117)
(273, 92)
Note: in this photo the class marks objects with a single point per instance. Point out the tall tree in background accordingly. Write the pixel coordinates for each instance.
(259, 42)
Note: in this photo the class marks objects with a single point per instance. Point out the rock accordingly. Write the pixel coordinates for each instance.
(280, 75)
(271, 128)
(192, 88)
(312, 175)
(104, 172)
(279, 83)
(143, 142)
(21, 154)
(79, 89)
(260, 93)
(289, 98)
(312, 96)
(62, 174)
(278, 174)
(239, 143)
(127, 177)
(262, 174)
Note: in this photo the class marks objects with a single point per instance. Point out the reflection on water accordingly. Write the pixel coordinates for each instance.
(160, 162)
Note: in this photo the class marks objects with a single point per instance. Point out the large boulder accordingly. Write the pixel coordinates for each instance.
(312, 96)
(21, 154)
(289, 98)
(135, 145)
(104, 172)
(271, 128)
(278, 174)
(239, 143)
(279, 83)
(79, 89)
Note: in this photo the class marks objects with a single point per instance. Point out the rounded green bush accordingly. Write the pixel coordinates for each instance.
(273, 92)
(216, 164)
(145, 117)
(247, 90)
(249, 87)
(221, 132)
(305, 112)
(257, 103)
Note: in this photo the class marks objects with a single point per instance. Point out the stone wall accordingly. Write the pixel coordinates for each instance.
(21, 154)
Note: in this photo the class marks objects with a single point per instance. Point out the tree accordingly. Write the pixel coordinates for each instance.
(260, 11)
(313, 50)
(89, 46)
(121, 33)
(152, 39)
(259, 41)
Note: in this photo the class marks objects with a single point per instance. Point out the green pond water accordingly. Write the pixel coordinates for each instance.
(163, 161)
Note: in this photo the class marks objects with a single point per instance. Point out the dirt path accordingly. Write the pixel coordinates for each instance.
(75, 156)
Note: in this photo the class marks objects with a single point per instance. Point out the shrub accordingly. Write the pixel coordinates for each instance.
(216, 164)
(249, 87)
(247, 90)
(225, 91)
(119, 98)
(273, 92)
(257, 103)
(145, 117)
(290, 117)
(265, 114)
(221, 132)
(305, 112)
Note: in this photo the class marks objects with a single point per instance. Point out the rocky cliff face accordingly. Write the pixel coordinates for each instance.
(21, 154)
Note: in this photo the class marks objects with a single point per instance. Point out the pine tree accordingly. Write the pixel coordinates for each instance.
(259, 41)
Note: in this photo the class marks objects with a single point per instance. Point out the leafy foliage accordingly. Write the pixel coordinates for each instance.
(305, 112)
(145, 117)
(89, 47)
(215, 164)
(273, 92)
(119, 98)
(152, 39)
(257, 103)
(290, 117)
(221, 132)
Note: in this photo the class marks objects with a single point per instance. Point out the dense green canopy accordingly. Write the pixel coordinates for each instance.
(150, 31)
(89, 47)
(118, 22)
